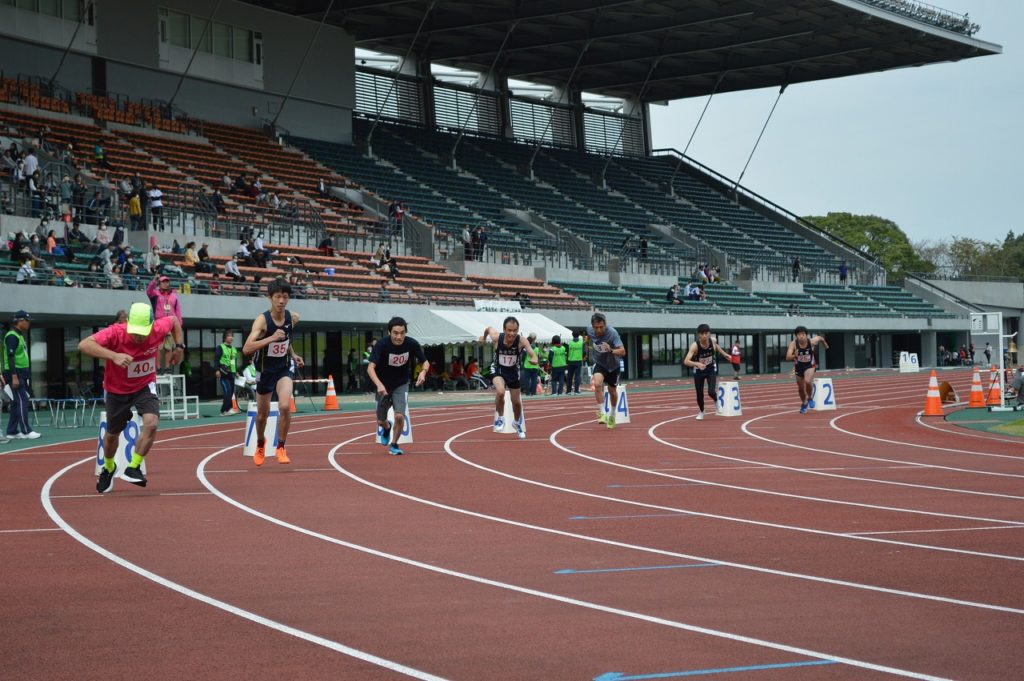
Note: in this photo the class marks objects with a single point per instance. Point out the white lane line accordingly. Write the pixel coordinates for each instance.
(744, 427)
(556, 597)
(31, 529)
(665, 552)
(949, 529)
(961, 431)
(45, 498)
(834, 425)
(662, 472)
(183, 494)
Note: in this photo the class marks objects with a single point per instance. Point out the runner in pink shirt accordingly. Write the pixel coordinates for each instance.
(165, 304)
(129, 380)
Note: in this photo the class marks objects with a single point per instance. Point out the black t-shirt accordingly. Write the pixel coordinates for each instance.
(394, 363)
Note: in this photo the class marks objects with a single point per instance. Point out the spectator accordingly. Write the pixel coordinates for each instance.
(474, 242)
(522, 298)
(165, 304)
(66, 193)
(78, 191)
(76, 234)
(326, 246)
(321, 188)
(156, 207)
(6, 204)
(215, 284)
(26, 275)
(796, 268)
(392, 266)
(205, 264)
(96, 208)
(190, 255)
(152, 262)
(1018, 386)
(99, 157)
(225, 181)
(988, 354)
(51, 243)
(467, 243)
(176, 248)
(30, 163)
(377, 259)
(643, 248)
(481, 242)
(118, 238)
(242, 253)
(383, 292)
(458, 374)
(400, 212)
(672, 297)
(218, 201)
(67, 156)
(231, 270)
(135, 211)
(844, 272)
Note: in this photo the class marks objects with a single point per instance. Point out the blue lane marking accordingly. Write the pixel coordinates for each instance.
(619, 676)
(570, 571)
(620, 517)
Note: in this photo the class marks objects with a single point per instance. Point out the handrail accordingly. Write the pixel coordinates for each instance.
(770, 204)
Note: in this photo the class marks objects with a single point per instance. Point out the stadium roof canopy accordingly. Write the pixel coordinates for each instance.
(653, 50)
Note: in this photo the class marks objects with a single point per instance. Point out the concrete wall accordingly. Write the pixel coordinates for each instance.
(986, 293)
(128, 39)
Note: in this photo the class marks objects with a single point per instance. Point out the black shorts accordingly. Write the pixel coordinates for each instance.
(611, 376)
(511, 378)
(799, 369)
(119, 407)
(267, 381)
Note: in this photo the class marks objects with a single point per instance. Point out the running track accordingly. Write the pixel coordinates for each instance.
(854, 544)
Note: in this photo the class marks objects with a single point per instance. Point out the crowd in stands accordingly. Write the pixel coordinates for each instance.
(474, 242)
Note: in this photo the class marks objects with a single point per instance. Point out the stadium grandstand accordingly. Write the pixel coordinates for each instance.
(410, 157)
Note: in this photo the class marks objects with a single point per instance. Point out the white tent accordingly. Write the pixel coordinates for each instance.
(458, 326)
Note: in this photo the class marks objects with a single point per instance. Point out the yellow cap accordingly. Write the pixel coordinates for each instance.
(140, 319)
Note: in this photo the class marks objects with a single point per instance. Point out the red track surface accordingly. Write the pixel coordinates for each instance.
(857, 537)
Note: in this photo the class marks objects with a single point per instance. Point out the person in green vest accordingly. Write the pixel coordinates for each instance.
(558, 355)
(226, 361)
(574, 360)
(17, 372)
(531, 368)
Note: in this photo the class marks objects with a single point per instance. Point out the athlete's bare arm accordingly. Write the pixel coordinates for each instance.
(688, 360)
(256, 340)
(819, 339)
(490, 333)
(791, 352)
(299, 362)
(722, 352)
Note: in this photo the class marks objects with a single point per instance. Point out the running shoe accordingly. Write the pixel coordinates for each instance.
(394, 450)
(499, 423)
(385, 435)
(260, 455)
(602, 417)
(30, 435)
(700, 416)
(134, 476)
(610, 421)
(282, 455)
(519, 430)
(803, 408)
(105, 480)
(810, 404)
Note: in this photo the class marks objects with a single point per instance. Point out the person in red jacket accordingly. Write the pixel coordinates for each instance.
(165, 304)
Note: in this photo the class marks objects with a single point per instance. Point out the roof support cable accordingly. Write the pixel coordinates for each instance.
(85, 17)
(472, 109)
(622, 129)
(568, 85)
(394, 81)
(195, 50)
(735, 187)
(298, 69)
(672, 179)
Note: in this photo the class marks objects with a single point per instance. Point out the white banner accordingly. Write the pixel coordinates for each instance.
(497, 306)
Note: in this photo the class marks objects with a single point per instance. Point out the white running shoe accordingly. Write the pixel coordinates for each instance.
(30, 435)
(498, 425)
(700, 416)
(519, 430)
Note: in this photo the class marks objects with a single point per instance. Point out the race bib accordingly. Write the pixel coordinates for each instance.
(398, 360)
(705, 361)
(279, 349)
(142, 367)
(507, 360)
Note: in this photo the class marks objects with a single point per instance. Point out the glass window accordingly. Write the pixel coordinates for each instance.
(242, 44)
(222, 40)
(30, 5)
(196, 26)
(177, 29)
(49, 7)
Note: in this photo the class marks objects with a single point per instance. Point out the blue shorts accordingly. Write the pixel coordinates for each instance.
(266, 381)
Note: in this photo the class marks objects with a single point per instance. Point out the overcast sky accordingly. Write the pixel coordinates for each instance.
(937, 149)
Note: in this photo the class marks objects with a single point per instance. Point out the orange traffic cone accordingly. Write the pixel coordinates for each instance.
(933, 404)
(977, 400)
(995, 397)
(234, 404)
(331, 401)
(294, 406)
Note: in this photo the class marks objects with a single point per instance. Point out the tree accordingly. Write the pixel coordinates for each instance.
(878, 238)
